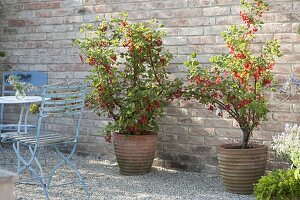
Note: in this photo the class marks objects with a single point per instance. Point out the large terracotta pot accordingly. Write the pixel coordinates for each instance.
(135, 153)
(241, 168)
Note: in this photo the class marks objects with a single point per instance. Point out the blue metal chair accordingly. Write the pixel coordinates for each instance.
(57, 101)
(36, 78)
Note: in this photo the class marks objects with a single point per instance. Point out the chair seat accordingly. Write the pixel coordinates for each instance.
(45, 139)
(8, 134)
(5, 137)
(9, 127)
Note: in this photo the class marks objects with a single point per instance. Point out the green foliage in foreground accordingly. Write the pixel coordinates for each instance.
(279, 185)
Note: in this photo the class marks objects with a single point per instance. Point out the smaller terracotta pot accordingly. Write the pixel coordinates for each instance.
(135, 153)
(240, 168)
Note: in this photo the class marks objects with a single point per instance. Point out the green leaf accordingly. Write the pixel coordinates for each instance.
(193, 55)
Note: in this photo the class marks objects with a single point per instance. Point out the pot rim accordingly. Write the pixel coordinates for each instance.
(127, 135)
(256, 146)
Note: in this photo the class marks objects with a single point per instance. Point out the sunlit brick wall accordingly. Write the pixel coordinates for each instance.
(36, 35)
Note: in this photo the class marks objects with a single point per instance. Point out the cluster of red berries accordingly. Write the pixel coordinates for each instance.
(108, 138)
(243, 103)
(248, 20)
(133, 129)
(177, 94)
(143, 120)
(152, 106)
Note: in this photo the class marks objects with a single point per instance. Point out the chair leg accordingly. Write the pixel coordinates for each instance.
(3, 153)
(67, 160)
(42, 176)
(27, 165)
(18, 149)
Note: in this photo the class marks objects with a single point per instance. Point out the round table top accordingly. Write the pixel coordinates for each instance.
(14, 100)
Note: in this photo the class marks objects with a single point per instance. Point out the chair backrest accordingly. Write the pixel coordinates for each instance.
(62, 100)
(36, 78)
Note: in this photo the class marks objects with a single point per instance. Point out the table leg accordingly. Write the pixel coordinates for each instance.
(20, 119)
(25, 119)
(23, 108)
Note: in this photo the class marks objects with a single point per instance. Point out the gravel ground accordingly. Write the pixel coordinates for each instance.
(105, 182)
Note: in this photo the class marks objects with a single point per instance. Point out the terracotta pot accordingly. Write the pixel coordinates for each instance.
(241, 168)
(135, 153)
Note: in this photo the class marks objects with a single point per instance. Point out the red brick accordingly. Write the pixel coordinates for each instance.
(167, 137)
(15, 8)
(199, 131)
(273, 126)
(183, 148)
(229, 133)
(52, 5)
(289, 59)
(202, 149)
(176, 4)
(214, 141)
(190, 120)
(190, 104)
(199, 21)
(61, 12)
(34, 6)
(277, 165)
(201, 3)
(54, 20)
(277, 106)
(27, 44)
(43, 13)
(287, 117)
(16, 22)
(288, 37)
(44, 44)
(213, 11)
(202, 40)
(102, 9)
(175, 22)
(296, 69)
(217, 122)
(175, 129)
(284, 97)
(225, 2)
(197, 140)
(281, 7)
(282, 69)
(34, 22)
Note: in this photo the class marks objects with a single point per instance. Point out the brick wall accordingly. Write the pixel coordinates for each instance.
(36, 35)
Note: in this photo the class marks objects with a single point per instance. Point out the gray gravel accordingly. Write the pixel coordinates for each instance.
(105, 182)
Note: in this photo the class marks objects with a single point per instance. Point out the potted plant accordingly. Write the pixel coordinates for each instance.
(236, 83)
(21, 87)
(129, 83)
